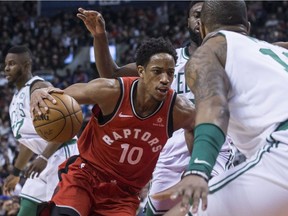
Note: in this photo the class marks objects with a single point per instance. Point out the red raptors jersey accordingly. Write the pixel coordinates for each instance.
(126, 145)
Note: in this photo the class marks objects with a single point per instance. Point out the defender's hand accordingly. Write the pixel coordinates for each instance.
(37, 99)
(35, 168)
(190, 188)
(93, 21)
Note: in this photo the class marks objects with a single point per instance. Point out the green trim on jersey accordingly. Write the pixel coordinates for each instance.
(185, 53)
(28, 197)
(218, 185)
(152, 211)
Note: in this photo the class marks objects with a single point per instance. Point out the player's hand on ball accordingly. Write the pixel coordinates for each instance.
(37, 99)
(191, 188)
(93, 21)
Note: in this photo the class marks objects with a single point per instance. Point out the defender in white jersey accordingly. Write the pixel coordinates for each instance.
(238, 88)
(175, 156)
(43, 171)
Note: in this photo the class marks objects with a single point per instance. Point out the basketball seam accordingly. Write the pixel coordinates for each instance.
(71, 132)
(75, 112)
(65, 117)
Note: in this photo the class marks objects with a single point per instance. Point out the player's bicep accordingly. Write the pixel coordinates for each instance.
(205, 74)
(207, 78)
(96, 92)
(129, 70)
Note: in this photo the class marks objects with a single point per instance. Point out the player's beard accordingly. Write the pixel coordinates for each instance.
(195, 37)
(18, 76)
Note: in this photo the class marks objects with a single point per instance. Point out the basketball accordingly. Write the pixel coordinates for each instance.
(61, 122)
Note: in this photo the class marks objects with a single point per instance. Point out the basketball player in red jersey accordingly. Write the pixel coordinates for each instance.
(132, 120)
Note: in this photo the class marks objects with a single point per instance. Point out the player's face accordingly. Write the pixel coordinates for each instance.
(194, 23)
(158, 75)
(14, 68)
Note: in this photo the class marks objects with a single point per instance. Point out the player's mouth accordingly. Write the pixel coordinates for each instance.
(163, 91)
(8, 77)
(197, 29)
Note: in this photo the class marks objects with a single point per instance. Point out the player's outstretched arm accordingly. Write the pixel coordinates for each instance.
(105, 64)
(22, 159)
(103, 92)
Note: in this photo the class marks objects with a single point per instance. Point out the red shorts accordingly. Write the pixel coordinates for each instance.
(92, 193)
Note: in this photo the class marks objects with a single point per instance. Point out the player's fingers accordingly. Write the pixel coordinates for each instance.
(81, 16)
(55, 90)
(204, 200)
(81, 10)
(195, 202)
(34, 174)
(186, 200)
(50, 98)
(37, 174)
(28, 172)
(101, 19)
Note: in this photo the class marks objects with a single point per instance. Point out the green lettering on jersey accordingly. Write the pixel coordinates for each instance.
(192, 100)
(273, 55)
(180, 79)
(18, 125)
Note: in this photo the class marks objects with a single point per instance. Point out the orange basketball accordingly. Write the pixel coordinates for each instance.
(62, 121)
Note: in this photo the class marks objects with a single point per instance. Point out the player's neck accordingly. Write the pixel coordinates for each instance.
(192, 47)
(22, 81)
(143, 104)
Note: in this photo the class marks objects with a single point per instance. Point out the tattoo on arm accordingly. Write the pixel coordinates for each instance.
(207, 79)
(205, 73)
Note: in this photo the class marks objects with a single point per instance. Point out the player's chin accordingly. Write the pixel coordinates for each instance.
(160, 96)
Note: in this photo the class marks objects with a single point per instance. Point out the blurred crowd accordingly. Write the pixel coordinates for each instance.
(52, 39)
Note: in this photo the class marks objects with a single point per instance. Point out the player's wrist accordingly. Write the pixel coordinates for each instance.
(16, 172)
(42, 157)
(208, 141)
(196, 172)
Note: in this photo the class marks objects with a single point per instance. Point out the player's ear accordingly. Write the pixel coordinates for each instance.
(248, 27)
(141, 70)
(27, 65)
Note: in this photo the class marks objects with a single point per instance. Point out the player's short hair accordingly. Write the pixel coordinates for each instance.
(154, 46)
(20, 50)
(217, 13)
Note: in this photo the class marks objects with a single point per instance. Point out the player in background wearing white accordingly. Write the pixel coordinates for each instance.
(175, 156)
(238, 88)
(43, 171)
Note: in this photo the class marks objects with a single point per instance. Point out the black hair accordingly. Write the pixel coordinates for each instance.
(216, 13)
(20, 50)
(192, 3)
(154, 46)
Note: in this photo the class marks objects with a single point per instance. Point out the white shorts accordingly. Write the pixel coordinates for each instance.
(42, 188)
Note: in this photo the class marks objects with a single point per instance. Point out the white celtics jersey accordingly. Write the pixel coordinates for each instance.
(21, 121)
(175, 152)
(176, 145)
(259, 83)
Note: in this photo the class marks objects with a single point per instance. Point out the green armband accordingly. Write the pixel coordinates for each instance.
(208, 140)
